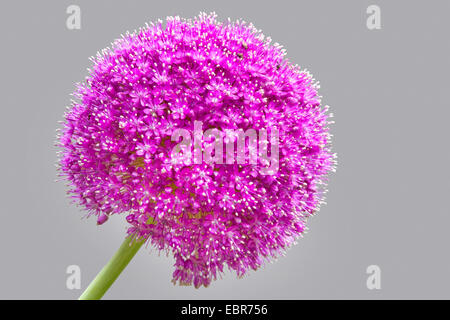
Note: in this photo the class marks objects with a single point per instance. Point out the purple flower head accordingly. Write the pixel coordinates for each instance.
(117, 144)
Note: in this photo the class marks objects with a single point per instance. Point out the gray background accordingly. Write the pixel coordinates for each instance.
(388, 201)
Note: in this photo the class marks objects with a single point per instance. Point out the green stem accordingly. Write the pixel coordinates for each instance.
(112, 270)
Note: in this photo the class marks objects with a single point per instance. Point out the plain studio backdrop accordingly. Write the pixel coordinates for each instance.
(387, 203)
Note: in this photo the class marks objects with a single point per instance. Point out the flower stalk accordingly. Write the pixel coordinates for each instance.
(111, 271)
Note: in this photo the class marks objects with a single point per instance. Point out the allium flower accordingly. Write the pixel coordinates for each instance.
(116, 144)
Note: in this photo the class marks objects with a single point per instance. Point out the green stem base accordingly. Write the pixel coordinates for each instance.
(112, 269)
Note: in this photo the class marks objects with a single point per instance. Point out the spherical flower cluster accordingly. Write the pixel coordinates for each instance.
(116, 145)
